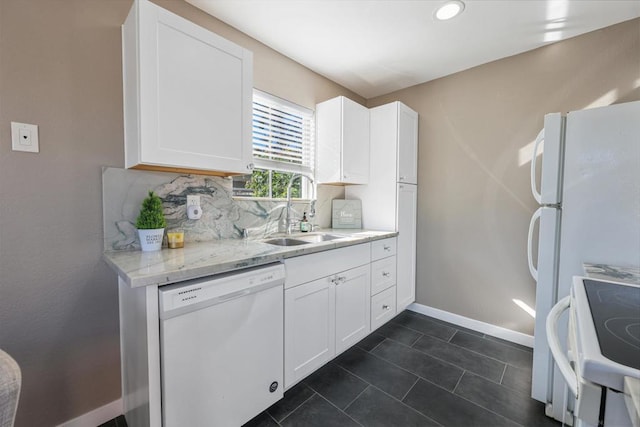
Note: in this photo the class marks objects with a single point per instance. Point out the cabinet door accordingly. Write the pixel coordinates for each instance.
(355, 143)
(407, 145)
(342, 134)
(353, 306)
(195, 96)
(309, 328)
(406, 249)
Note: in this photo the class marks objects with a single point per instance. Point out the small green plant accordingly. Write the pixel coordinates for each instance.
(151, 215)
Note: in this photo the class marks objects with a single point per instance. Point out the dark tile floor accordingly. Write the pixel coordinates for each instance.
(414, 371)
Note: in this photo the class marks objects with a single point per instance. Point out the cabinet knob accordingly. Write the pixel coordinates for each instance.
(402, 177)
(386, 307)
(386, 274)
(387, 248)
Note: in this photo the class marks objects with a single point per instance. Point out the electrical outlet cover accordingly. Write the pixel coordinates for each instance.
(24, 137)
(193, 200)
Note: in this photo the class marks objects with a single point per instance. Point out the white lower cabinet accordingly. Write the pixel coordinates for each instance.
(323, 318)
(309, 328)
(326, 307)
(353, 292)
(332, 300)
(406, 264)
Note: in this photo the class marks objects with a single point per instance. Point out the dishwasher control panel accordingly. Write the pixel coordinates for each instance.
(216, 289)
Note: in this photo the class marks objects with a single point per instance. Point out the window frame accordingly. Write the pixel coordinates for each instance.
(307, 168)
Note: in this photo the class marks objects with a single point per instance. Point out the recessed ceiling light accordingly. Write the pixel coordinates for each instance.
(449, 10)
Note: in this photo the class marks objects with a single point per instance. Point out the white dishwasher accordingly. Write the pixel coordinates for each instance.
(222, 347)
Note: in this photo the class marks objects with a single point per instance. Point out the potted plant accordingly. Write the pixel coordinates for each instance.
(151, 223)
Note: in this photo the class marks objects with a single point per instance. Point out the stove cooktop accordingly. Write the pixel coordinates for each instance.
(615, 310)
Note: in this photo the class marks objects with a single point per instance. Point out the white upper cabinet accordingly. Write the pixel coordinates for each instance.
(187, 95)
(342, 129)
(407, 123)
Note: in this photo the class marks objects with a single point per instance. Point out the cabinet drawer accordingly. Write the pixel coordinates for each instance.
(306, 268)
(383, 248)
(383, 274)
(383, 307)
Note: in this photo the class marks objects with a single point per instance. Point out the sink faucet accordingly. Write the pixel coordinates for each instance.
(312, 211)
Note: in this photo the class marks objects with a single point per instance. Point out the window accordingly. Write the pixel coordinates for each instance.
(282, 144)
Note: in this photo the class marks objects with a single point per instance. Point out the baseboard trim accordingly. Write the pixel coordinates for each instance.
(96, 417)
(476, 325)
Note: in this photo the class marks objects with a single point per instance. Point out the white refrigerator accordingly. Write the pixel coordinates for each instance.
(589, 196)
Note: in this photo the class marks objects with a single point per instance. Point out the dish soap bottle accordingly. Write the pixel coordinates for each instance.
(304, 224)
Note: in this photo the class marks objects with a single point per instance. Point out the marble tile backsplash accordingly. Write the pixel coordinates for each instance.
(223, 217)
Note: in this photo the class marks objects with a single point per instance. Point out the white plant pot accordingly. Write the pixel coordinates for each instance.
(151, 240)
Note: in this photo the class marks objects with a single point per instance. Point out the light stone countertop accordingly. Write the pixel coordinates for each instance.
(196, 260)
(614, 273)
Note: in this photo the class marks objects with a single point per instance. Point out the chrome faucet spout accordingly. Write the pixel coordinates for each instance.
(288, 220)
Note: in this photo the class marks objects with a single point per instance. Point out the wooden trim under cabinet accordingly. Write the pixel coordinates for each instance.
(184, 170)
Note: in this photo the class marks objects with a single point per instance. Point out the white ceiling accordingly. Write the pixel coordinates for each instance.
(374, 47)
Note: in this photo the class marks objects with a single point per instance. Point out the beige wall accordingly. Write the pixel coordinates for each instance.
(60, 68)
(474, 200)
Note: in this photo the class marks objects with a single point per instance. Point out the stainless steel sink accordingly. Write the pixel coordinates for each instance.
(286, 241)
(317, 238)
(303, 239)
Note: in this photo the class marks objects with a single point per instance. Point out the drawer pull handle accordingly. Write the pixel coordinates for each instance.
(339, 279)
(386, 307)
(387, 248)
(386, 274)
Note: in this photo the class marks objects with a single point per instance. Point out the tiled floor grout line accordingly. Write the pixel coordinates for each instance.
(356, 398)
(274, 420)
(446, 361)
(418, 377)
(402, 401)
(472, 351)
(343, 411)
(421, 332)
(413, 373)
(298, 407)
(487, 409)
(455, 327)
(376, 346)
(458, 383)
(416, 340)
(503, 372)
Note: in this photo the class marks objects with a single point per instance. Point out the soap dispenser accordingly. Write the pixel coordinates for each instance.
(304, 224)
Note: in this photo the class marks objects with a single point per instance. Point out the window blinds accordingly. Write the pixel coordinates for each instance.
(283, 134)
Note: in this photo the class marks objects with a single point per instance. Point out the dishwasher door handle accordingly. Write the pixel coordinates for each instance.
(234, 295)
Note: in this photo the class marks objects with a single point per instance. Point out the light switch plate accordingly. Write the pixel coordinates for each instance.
(24, 137)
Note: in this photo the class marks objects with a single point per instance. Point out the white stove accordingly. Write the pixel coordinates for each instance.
(603, 349)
